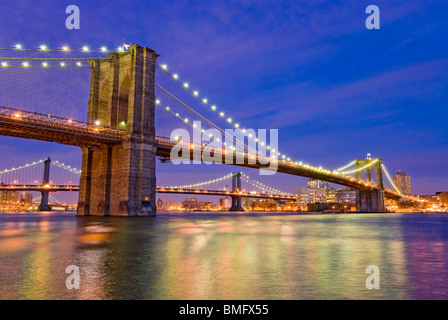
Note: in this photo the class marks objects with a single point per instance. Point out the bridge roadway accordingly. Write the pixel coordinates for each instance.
(54, 188)
(31, 125)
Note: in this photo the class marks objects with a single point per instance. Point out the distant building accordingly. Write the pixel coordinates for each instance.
(311, 195)
(264, 205)
(332, 195)
(331, 207)
(224, 203)
(320, 192)
(316, 184)
(26, 198)
(443, 197)
(345, 196)
(193, 204)
(8, 197)
(403, 182)
(167, 205)
(247, 203)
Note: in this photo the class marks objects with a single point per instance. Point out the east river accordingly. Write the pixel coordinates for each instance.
(224, 256)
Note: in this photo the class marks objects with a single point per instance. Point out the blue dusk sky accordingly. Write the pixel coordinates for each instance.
(311, 69)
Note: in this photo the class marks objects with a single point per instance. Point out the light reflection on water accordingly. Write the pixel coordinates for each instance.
(227, 257)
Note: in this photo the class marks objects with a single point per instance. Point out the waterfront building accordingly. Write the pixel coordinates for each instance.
(26, 198)
(224, 203)
(9, 197)
(443, 197)
(403, 182)
(320, 192)
(345, 195)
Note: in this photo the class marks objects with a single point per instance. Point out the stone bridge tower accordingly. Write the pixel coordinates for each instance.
(236, 186)
(370, 200)
(120, 180)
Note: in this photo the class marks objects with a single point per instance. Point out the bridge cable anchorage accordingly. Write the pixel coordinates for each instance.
(205, 102)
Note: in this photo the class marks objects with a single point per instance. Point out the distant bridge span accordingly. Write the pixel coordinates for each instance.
(223, 193)
(31, 125)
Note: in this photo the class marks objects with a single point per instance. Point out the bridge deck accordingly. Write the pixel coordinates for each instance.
(242, 159)
(30, 125)
(55, 188)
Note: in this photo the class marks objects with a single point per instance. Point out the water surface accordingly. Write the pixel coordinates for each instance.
(207, 256)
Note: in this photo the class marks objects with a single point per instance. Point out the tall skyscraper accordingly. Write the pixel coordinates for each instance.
(403, 182)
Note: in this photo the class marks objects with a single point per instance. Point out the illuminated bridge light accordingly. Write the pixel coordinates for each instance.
(65, 48)
(85, 48)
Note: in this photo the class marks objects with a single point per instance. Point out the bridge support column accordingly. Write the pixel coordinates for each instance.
(120, 180)
(370, 201)
(44, 206)
(236, 186)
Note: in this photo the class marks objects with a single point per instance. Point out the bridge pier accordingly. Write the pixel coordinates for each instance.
(370, 201)
(236, 186)
(44, 206)
(120, 180)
